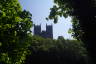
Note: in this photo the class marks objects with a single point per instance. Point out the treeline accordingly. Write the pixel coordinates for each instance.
(60, 51)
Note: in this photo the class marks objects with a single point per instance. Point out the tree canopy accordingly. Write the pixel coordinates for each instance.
(15, 25)
(60, 51)
(83, 17)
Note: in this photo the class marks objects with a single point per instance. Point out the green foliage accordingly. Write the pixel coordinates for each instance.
(83, 14)
(15, 27)
(67, 8)
(59, 51)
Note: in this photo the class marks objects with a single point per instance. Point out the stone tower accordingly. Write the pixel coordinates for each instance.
(46, 34)
(37, 29)
(49, 31)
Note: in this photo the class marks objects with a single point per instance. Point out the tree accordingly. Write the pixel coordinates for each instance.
(83, 15)
(60, 51)
(15, 27)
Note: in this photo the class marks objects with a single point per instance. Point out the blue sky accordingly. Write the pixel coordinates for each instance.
(40, 9)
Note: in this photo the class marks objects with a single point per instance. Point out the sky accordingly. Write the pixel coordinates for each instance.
(40, 9)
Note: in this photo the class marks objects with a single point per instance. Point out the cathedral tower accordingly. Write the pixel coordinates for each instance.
(46, 34)
(49, 31)
(37, 30)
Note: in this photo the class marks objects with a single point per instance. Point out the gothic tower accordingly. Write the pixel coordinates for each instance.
(46, 34)
(49, 31)
(37, 30)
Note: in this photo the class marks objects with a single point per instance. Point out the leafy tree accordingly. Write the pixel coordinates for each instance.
(83, 17)
(15, 27)
(61, 51)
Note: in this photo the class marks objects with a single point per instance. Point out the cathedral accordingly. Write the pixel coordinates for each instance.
(46, 34)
